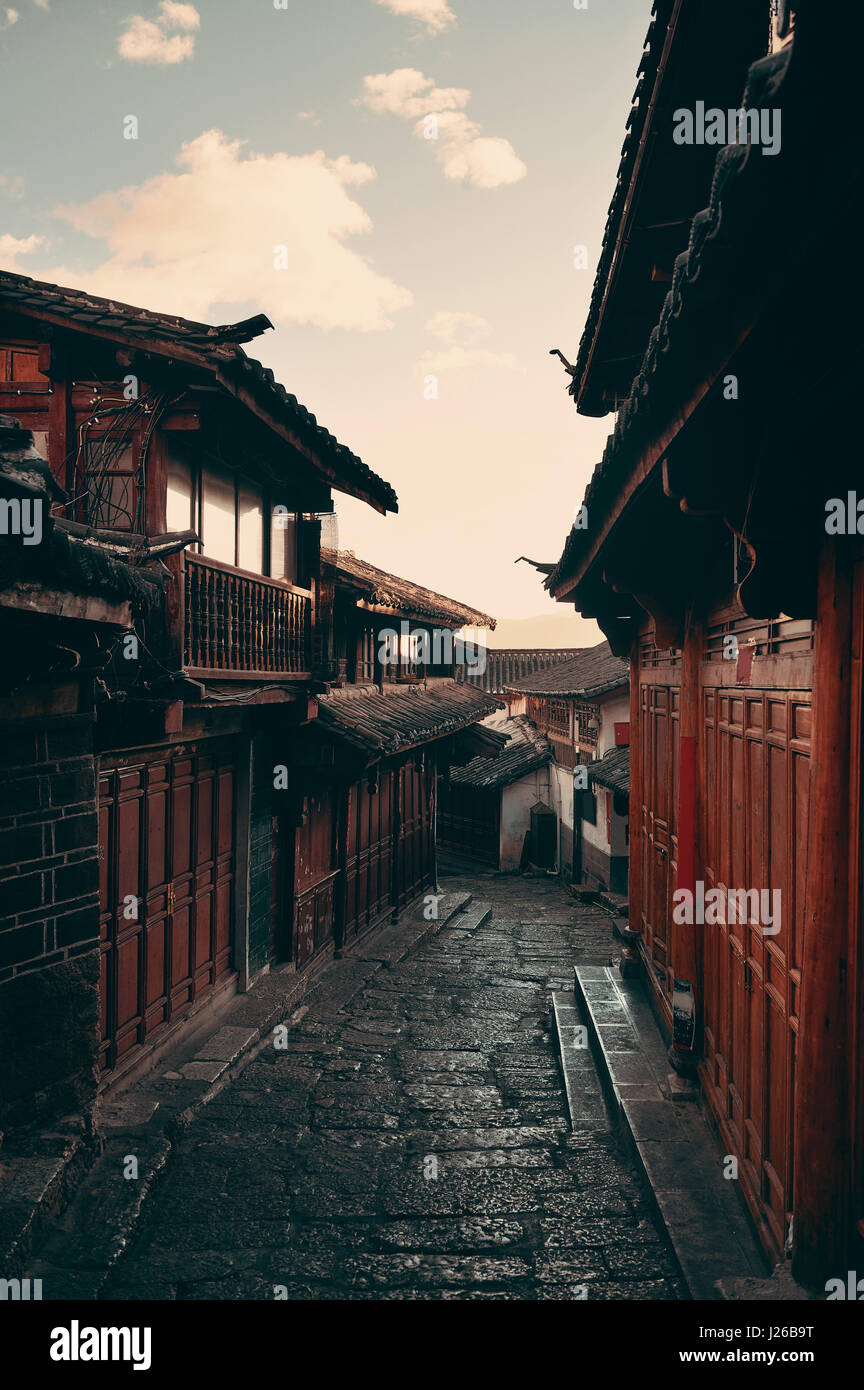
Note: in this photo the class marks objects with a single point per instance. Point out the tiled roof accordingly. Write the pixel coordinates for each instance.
(612, 770)
(593, 672)
(215, 349)
(507, 664)
(526, 750)
(379, 723)
(639, 110)
(389, 591)
(738, 246)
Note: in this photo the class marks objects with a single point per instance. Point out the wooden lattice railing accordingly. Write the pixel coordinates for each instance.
(238, 622)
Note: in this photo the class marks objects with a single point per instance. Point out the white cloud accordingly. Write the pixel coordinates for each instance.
(436, 15)
(41, 4)
(12, 247)
(448, 326)
(439, 118)
(154, 41)
(207, 234)
(9, 18)
(309, 116)
(460, 331)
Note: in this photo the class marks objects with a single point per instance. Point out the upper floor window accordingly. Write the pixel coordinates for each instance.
(20, 362)
(236, 521)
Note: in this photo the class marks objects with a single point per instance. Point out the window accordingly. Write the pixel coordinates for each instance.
(558, 714)
(20, 362)
(250, 527)
(366, 655)
(283, 544)
(218, 516)
(588, 809)
(180, 508)
(111, 485)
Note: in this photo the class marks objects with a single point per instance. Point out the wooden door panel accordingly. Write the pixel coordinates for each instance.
(756, 759)
(161, 817)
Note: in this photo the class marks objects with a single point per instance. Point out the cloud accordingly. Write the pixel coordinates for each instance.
(8, 18)
(309, 116)
(153, 41)
(448, 326)
(212, 233)
(459, 357)
(439, 117)
(435, 14)
(12, 247)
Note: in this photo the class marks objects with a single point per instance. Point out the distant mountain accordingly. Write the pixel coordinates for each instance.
(562, 629)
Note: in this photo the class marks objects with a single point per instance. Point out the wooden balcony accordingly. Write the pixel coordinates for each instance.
(241, 626)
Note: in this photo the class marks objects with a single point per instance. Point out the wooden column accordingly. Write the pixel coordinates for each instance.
(629, 963)
(61, 436)
(343, 792)
(825, 1068)
(684, 1051)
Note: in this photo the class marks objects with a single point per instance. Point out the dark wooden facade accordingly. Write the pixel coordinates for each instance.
(709, 563)
(212, 828)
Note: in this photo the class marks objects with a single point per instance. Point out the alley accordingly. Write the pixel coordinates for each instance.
(412, 1140)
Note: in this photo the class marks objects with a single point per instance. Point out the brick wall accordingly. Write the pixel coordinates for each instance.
(49, 922)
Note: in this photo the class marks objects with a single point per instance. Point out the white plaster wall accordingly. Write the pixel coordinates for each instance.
(516, 803)
(615, 710)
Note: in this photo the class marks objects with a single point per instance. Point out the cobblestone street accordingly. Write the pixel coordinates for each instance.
(412, 1139)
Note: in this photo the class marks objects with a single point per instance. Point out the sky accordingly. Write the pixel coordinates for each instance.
(400, 185)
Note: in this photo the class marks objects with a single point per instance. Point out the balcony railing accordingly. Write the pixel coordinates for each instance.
(242, 624)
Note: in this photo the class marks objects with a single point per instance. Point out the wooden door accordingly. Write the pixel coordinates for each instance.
(166, 850)
(414, 846)
(369, 863)
(469, 821)
(314, 875)
(659, 733)
(756, 746)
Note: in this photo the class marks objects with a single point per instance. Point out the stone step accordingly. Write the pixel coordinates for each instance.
(472, 918)
(676, 1149)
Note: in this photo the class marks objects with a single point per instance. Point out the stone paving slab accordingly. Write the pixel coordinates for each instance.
(408, 1139)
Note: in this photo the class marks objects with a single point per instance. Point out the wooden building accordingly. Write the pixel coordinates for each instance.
(488, 807)
(170, 825)
(713, 558)
(581, 706)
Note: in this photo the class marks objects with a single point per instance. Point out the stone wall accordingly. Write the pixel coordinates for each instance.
(49, 918)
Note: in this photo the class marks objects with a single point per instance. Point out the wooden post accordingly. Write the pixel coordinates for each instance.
(629, 963)
(342, 806)
(684, 1051)
(824, 1070)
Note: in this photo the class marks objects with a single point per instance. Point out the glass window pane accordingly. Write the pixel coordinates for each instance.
(250, 529)
(178, 508)
(283, 545)
(218, 510)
